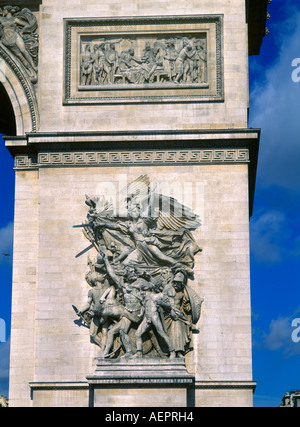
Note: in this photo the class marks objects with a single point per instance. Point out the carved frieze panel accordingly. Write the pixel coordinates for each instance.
(149, 157)
(153, 59)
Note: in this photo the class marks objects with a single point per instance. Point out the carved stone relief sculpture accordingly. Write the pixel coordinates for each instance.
(143, 59)
(138, 61)
(140, 303)
(18, 33)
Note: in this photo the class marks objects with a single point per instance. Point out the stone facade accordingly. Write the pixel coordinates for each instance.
(291, 399)
(199, 147)
(230, 114)
(57, 350)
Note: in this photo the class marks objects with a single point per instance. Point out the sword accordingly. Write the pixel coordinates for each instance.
(82, 225)
(84, 251)
(181, 317)
(94, 244)
(79, 314)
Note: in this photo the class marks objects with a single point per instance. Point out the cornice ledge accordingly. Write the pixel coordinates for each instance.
(225, 384)
(131, 135)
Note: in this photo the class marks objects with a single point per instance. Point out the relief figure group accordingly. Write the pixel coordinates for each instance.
(175, 60)
(140, 303)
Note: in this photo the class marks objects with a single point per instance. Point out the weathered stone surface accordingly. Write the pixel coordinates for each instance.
(62, 350)
(201, 150)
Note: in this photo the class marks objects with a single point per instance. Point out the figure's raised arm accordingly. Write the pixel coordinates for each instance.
(101, 222)
(110, 271)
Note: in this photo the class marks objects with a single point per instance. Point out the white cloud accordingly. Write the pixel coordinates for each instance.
(4, 367)
(6, 243)
(296, 248)
(267, 231)
(280, 333)
(274, 237)
(275, 108)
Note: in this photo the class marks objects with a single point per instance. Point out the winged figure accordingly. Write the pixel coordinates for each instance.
(148, 256)
(157, 231)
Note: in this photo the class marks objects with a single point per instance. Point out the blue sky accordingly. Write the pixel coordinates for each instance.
(274, 226)
(6, 246)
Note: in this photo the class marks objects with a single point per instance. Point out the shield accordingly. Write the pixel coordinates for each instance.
(195, 302)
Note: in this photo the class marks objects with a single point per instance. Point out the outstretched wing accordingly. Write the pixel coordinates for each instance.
(173, 215)
(137, 189)
(167, 212)
(29, 24)
(29, 20)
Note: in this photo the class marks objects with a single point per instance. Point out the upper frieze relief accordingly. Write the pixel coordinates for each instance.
(144, 59)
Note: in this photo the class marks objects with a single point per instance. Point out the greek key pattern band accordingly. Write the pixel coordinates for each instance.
(132, 157)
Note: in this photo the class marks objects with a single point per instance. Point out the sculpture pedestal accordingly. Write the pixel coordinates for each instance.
(146, 382)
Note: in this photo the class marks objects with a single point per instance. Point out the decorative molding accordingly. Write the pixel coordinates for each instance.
(140, 381)
(147, 157)
(144, 371)
(56, 385)
(21, 75)
(80, 33)
(220, 385)
(204, 385)
(244, 141)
